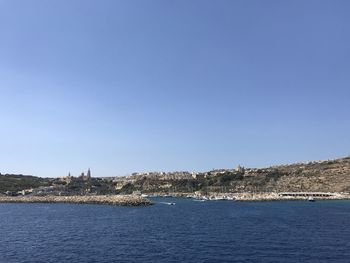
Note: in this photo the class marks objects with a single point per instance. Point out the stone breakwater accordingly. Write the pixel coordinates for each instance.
(123, 200)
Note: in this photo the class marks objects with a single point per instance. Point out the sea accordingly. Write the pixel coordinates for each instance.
(189, 231)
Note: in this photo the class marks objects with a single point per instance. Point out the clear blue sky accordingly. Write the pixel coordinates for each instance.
(124, 86)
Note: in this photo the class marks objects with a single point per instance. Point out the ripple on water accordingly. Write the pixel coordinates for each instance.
(187, 232)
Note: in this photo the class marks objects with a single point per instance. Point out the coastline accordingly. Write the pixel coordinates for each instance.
(120, 200)
(136, 200)
(252, 197)
(248, 197)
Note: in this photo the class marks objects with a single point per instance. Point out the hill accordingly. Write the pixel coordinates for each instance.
(18, 182)
(322, 176)
(317, 176)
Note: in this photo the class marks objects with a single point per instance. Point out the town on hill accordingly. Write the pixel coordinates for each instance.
(330, 176)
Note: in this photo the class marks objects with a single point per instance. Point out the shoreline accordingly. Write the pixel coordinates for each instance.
(246, 197)
(253, 197)
(288, 199)
(118, 200)
(135, 200)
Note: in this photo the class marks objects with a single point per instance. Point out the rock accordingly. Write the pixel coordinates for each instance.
(124, 200)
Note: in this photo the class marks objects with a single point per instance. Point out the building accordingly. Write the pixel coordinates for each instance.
(86, 177)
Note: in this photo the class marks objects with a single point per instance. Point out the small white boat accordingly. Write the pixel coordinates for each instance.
(311, 199)
(144, 195)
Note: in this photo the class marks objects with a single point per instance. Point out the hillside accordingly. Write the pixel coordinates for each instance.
(322, 176)
(16, 182)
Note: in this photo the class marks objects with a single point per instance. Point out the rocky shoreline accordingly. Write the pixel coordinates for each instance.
(122, 200)
(249, 197)
(134, 200)
(253, 197)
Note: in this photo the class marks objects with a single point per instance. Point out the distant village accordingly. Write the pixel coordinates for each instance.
(81, 177)
(317, 176)
(57, 183)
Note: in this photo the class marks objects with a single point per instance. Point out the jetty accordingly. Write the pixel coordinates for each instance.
(122, 200)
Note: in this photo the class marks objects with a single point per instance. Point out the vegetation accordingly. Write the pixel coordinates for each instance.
(127, 189)
(95, 186)
(326, 176)
(12, 182)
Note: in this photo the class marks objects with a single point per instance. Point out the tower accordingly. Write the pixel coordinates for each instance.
(88, 175)
(240, 169)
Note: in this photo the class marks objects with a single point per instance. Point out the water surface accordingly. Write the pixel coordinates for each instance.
(215, 231)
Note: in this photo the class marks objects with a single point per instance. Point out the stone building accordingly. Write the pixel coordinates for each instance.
(86, 177)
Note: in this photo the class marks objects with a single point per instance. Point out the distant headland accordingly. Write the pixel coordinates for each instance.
(329, 179)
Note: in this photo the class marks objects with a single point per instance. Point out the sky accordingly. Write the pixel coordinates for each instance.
(124, 86)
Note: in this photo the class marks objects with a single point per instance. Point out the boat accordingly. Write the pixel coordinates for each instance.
(311, 199)
(216, 198)
(171, 203)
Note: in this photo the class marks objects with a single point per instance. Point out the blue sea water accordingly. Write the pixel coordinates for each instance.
(215, 231)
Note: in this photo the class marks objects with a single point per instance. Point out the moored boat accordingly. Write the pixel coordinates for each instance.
(311, 199)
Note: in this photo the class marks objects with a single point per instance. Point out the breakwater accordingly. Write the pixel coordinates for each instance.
(123, 200)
